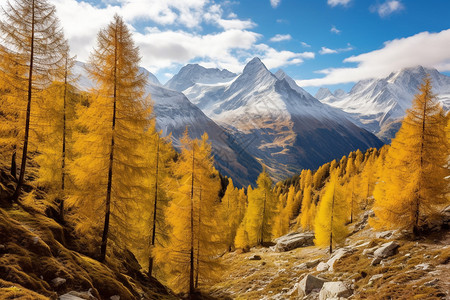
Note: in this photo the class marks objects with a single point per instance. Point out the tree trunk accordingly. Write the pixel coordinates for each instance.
(198, 239)
(63, 160)
(191, 270)
(422, 145)
(351, 210)
(15, 196)
(263, 214)
(13, 163)
(331, 222)
(111, 160)
(155, 206)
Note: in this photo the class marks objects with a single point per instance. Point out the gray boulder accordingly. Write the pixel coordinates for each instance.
(376, 261)
(308, 284)
(322, 267)
(340, 253)
(335, 289)
(308, 264)
(386, 250)
(58, 281)
(294, 240)
(369, 251)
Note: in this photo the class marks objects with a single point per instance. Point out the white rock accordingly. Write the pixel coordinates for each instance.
(334, 290)
(376, 261)
(115, 297)
(384, 234)
(386, 250)
(308, 284)
(58, 281)
(424, 267)
(340, 253)
(322, 267)
(294, 240)
(369, 251)
(374, 278)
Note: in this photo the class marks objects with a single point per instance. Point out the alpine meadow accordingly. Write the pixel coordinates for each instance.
(230, 180)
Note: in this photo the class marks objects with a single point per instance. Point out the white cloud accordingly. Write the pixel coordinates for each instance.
(326, 50)
(275, 3)
(305, 45)
(387, 8)
(275, 59)
(177, 36)
(335, 30)
(281, 37)
(426, 49)
(334, 3)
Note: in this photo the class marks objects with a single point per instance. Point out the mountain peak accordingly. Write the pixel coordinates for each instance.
(323, 93)
(191, 74)
(280, 74)
(339, 93)
(255, 65)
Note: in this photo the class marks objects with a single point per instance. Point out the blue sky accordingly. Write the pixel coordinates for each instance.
(330, 43)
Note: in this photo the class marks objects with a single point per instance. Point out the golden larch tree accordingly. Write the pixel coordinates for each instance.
(33, 48)
(109, 166)
(329, 228)
(56, 114)
(413, 186)
(192, 215)
(261, 211)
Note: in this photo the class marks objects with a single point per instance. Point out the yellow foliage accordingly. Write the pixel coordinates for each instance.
(330, 220)
(413, 186)
(195, 240)
(109, 165)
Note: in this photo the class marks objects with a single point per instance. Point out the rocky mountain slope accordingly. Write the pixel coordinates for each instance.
(371, 265)
(379, 104)
(174, 112)
(275, 120)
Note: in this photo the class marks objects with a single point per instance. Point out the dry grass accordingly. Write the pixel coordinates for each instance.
(33, 255)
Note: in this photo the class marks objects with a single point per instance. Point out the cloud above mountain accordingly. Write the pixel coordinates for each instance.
(171, 33)
(425, 48)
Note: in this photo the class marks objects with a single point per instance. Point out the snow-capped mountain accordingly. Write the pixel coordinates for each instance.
(174, 112)
(380, 104)
(194, 73)
(279, 123)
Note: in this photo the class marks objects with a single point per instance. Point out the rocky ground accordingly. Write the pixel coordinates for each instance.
(372, 265)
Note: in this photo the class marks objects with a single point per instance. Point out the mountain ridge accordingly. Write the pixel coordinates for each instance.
(286, 128)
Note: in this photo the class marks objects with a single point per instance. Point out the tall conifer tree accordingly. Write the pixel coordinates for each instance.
(110, 166)
(33, 48)
(414, 185)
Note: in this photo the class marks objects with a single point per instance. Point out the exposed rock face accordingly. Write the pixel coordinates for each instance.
(386, 250)
(294, 240)
(340, 253)
(336, 289)
(309, 283)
